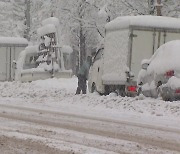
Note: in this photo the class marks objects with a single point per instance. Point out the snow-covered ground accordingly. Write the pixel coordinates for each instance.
(59, 95)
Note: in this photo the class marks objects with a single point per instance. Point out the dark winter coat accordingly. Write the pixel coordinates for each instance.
(84, 70)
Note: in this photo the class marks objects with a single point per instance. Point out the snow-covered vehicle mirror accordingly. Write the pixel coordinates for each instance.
(145, 64)
(162, 71)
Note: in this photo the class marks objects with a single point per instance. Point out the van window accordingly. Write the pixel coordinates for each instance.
(98, 55)
(30, 61)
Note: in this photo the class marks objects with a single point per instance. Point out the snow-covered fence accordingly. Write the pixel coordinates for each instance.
(10, 47)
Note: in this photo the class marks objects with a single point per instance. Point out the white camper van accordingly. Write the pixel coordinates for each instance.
(127, 42)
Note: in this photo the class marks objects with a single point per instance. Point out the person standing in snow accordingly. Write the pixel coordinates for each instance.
(83, 76)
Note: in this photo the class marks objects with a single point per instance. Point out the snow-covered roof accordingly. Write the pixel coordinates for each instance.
(13, 41)
(47, 29)
(51, 20)
(143, 21)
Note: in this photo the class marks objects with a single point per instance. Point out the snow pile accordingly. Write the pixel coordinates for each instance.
(146, 87)
(49, 26)
(166, 58)
(38, 89)
(142, 74)
(47, 29)
(32, 49)
(51, 20)
(62, 92)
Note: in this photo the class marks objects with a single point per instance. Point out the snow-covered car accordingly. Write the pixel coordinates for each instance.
(156, 78)
(171, 90)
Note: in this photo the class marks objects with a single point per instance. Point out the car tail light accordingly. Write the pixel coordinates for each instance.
(132, 88)
(169, 73)
(177, 91)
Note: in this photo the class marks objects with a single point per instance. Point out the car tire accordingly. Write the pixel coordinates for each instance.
(166, 96)
(159, 92)
(120, 92)
(139, 92)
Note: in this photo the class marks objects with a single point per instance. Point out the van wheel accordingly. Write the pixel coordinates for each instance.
(166, 98)
(107, 90)
(121, 92)
(93, 88)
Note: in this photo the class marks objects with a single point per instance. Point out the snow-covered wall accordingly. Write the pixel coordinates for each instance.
(115, 57)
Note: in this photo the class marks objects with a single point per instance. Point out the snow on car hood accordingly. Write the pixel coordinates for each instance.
(166, 58)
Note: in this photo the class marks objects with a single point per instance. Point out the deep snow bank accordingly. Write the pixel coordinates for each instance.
(62, 91)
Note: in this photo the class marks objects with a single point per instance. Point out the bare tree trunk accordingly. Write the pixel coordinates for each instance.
(82, 46)
(151, 6)
(27, 20)
(158, 7)
(82, 38)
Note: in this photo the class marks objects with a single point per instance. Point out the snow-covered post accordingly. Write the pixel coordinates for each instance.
(158, 6)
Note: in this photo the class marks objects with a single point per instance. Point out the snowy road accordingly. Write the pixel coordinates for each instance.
(45, 117)
(56, 132)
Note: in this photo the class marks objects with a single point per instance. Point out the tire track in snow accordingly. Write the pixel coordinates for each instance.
(74, 120)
